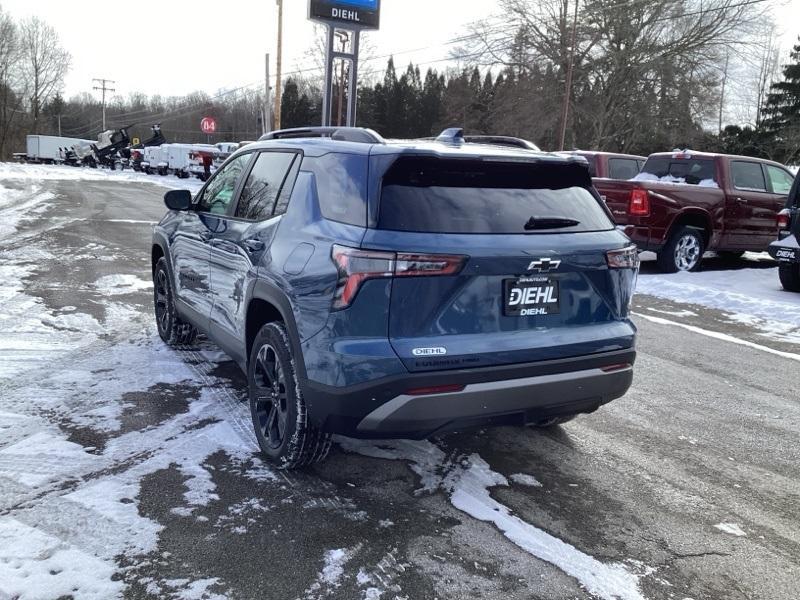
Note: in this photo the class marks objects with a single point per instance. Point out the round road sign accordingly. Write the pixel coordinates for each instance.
(208, 125)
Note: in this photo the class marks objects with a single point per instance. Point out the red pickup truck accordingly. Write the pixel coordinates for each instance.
(611, 165)
(684, 203)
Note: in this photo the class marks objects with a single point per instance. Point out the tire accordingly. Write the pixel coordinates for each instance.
(683, 252)
(790, 277)
(174, 331)
(280, 418)
(553, 421)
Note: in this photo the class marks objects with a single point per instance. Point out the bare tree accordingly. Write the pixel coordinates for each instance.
(44, 61)
(636, 63)
(9, 102)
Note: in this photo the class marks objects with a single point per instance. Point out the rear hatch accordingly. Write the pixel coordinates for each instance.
(499, 263)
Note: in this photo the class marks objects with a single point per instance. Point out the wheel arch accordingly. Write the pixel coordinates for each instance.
(696, 218)
(268, 304)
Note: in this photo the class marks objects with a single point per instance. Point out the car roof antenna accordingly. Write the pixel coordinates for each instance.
(454, 135)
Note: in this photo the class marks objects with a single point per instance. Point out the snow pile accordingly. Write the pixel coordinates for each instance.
(17, 205)
(38, 566)
(467, 483)
(752, 296)
(15, 171)
(708, 183)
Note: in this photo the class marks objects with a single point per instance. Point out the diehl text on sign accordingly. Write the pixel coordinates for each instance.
(346, 12)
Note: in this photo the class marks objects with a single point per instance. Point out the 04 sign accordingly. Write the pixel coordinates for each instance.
(208, 125)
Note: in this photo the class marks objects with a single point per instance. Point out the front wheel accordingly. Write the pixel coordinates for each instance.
(790, 277)
(280, 418)
(683, 251)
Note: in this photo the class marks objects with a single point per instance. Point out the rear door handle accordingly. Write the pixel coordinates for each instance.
(740, 200)
(253, 245)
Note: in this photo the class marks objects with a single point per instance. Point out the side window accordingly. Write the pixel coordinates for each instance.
(341, 185)
(780, 179)
(218, 194)
(622, 168)
(287, 189)
(260, 191)
(748, 176)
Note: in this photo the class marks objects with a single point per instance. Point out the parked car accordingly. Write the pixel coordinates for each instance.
(786, 250)
(385, 290)
(684, 203)
(611, 165)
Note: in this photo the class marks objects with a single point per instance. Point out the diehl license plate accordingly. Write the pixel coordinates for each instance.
(531, 296)
(787, 254)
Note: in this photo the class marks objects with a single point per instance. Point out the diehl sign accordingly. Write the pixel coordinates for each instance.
(361, 14)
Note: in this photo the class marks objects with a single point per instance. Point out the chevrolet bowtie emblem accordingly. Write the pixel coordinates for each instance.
(544, 265)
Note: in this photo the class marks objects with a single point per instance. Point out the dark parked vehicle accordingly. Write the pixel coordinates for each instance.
(684, 203)
(786, 250)
(611, 165)
(384, 290)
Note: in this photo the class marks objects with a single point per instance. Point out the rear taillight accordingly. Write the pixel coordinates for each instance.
(640, 203)
(357, 266)
(627, 258)
(784, 218)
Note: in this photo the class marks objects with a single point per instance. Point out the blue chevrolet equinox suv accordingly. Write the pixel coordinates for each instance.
(404, 289)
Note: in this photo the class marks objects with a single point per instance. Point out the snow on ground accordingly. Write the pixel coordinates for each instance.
(17, 171)
(467, 482)
(731, 529)
(751, 296)
(114, 285)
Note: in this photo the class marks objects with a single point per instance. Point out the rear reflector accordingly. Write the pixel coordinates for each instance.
(615, 368)
(357, 266)
(627, 258)
(640, 203)
(436, 389)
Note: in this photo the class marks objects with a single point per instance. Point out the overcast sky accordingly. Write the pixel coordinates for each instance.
(175, 47)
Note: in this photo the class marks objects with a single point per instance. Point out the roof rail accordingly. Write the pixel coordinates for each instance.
(341, 134)
(502, 140)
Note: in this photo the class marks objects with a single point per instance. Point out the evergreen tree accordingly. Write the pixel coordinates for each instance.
(782, 112)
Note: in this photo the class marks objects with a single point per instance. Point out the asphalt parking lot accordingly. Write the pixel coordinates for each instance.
(127, 469)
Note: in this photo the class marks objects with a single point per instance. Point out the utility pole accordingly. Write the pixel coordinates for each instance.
(267, 111)
(103, 87)
(568, 86)
(279, 83)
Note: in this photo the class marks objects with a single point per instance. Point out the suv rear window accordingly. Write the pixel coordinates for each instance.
(694, 171)
(457, 196)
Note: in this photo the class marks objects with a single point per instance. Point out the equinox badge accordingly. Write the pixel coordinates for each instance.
(544, 265)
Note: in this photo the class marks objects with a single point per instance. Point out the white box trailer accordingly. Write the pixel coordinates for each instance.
(154, 159)
(51, 148)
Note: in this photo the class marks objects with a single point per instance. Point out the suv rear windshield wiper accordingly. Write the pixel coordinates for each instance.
(537, 224)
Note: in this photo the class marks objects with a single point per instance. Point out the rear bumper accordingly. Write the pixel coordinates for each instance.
(513, 394)
(786, 250)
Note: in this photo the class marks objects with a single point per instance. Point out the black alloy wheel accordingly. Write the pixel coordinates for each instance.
(271, 403)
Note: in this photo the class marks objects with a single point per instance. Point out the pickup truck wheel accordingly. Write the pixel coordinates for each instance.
(790, 277)
(683, 251)
(277, 406)
(171, 328)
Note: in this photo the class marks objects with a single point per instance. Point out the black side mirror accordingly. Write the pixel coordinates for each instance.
(178, 199)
